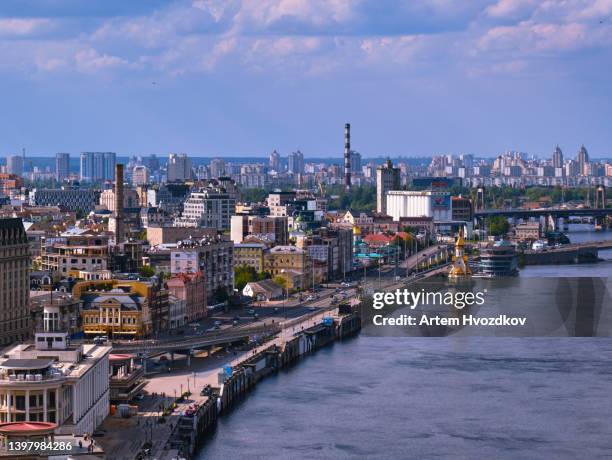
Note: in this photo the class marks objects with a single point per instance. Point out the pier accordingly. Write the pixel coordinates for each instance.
(189, 415)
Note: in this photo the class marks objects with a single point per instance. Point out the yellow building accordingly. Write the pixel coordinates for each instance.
(249, 254)
(121, 309)
(290, 261)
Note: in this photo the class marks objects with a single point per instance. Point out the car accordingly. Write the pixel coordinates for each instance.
(236, 318)
(311, 308)
(275, 309)
(310, 298)
(139, 397)
(250, 311)
(218, 323)
(235, 323)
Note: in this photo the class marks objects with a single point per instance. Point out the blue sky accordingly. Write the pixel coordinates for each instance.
(229, 77)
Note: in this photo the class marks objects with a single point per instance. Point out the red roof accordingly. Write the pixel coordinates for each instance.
(377, 238)
(27, 427)
(119, 357)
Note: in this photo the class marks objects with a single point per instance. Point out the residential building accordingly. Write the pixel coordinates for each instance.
(250, 255)
(191, 288)
(62, 166)
(179, 168)
(98, 166)
(212, 255)
(280, 259)
(14, 165)
(275, 161)
(276, 227)
(217, 168)
(130, 199)
(10, 183)
(210, 207)
(296, 162)
(75, 250)
(166, 234)
(14, 282)
(140, 175)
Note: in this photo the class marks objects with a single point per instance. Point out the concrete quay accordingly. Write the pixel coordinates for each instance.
(185, 428)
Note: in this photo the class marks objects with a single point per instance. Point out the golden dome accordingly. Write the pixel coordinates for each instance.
(356, 230)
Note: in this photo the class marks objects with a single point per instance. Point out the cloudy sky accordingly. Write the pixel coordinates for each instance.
(231, 77)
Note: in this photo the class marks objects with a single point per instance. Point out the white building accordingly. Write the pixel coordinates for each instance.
(54, 381)
(140, 175)
(208, 208)
(435, 204)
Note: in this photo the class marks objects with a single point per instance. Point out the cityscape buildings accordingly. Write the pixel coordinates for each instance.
(98, 166)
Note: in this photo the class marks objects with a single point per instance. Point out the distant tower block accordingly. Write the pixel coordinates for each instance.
(119, 227)
(347, 155)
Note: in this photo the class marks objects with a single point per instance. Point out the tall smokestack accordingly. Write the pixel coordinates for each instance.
(119, 229)
(347, 155)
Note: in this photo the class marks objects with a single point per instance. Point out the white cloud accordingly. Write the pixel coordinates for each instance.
(90, 60)
(18, 27)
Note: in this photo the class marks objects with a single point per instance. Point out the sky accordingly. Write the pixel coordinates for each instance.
(244, 77)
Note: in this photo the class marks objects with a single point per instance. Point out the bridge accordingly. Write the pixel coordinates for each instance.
(554, 212)
(218, 338)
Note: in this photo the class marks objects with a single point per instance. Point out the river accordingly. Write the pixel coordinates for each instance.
(447, 397)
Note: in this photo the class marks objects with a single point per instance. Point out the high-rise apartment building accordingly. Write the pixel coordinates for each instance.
(211, 208)
(217, 168)
(275, 161)
(98, 166)
(296, 162)
(14, 165)
(387, 179)
(62, 166)
(355, 162)
(14, 282)
(583, 160)
(179, 167)
(557, 158)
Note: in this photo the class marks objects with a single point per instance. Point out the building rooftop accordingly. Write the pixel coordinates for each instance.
(26, 364)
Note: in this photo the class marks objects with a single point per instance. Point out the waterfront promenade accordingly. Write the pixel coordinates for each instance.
(123, 438)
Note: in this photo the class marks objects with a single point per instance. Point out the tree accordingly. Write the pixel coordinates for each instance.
(281, 281)
(147, 271)
(498, 225)
(245, 274)
(221, 295)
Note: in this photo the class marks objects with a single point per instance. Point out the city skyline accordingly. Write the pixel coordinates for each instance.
(241, 78)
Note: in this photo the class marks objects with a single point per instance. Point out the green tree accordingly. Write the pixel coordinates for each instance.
(147, 271)
(281, 281)
(245, 274)
(498, 225)
(221, 295)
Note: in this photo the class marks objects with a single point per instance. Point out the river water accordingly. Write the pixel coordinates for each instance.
(446, 397)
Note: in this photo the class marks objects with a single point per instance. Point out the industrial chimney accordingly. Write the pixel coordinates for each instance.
(119, 229)
(347, 156)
